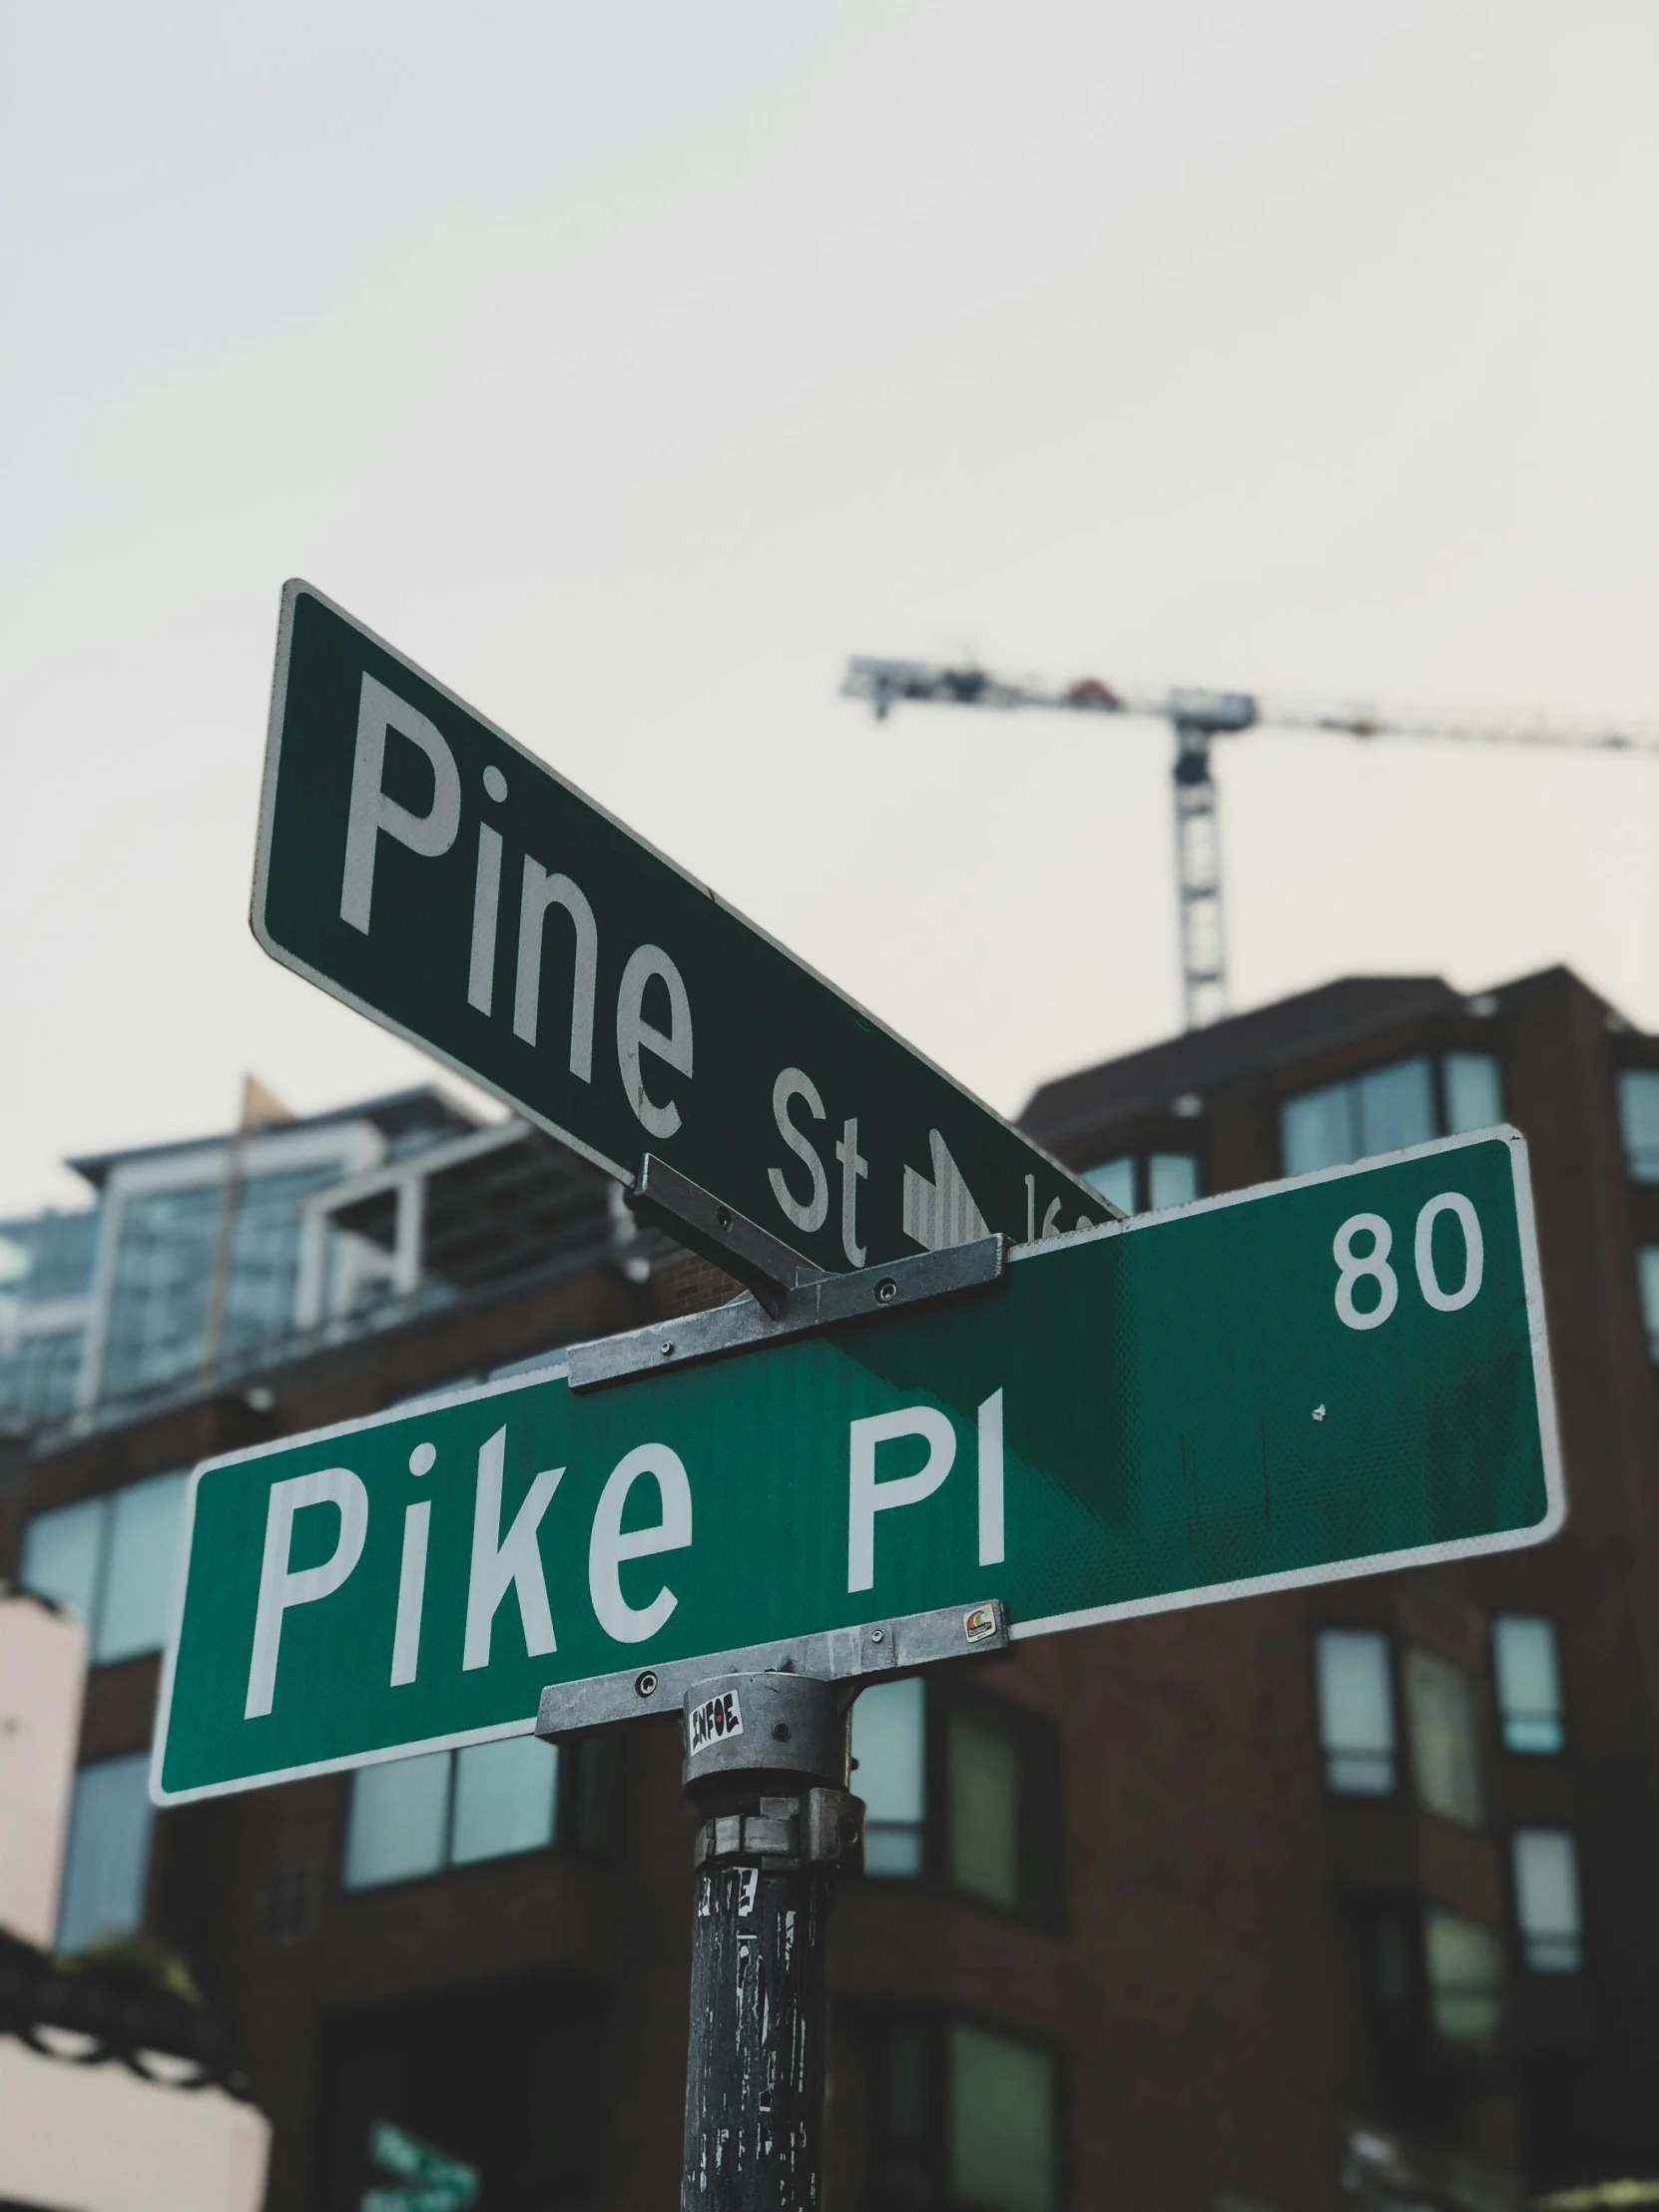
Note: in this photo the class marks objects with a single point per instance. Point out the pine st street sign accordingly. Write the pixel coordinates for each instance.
(416, 862)
(1316, 1379)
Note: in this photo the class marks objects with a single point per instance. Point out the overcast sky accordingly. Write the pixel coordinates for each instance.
(628, 367)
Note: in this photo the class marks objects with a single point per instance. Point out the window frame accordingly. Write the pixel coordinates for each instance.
(1480, 1821)
(594, 1765)
(1436, 1056)
(875, 2024)
(1039, 1741)
(1500, 1711)
(147, 1874)
(1627, 1153)
(1527, 1939)
(1139, 1159)
(105, 1502)
(1398, 1792)
(1414, 2058)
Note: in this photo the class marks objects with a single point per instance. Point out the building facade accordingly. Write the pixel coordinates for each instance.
(1330, 1896)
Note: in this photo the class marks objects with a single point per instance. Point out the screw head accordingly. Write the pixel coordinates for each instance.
(665, 1350)
(780, 1730)
(646, 1685)
(877, 1635)
(886, 1291)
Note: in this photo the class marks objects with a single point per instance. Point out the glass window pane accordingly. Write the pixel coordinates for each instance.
(1445, 1747)
(40, 1373)
(108, 1862)
(62, 1552)
(1529, 1682)
(1357, 1711)
(1639, 1120)
(507, 1798)
(399, 1816)
(1546, 1899)
(1317, 1131)
(982, 1765)
(1172, 1179)
(1649, 1265)
(1473, 1091)
(159, 1290)
(890, 1745)
(1115, 1181)
(1003, 2124)
(145, 1522)
(1465, 1980)
(263, 1273)
(1396, 1107)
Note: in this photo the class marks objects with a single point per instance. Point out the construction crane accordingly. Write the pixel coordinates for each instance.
(1197, 719)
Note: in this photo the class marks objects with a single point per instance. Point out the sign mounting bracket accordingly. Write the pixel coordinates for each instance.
(850, 1657)
(787, 1296)
(765, 1267)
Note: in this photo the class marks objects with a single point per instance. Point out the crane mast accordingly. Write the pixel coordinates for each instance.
(1197, 719)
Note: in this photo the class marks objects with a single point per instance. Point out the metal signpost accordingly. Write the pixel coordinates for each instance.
(416, 862)
(908, 1439)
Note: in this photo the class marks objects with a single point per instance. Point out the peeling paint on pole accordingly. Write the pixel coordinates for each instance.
(754, 2088)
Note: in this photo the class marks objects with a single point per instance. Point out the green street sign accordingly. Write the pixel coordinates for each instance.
(433, 2181)
(418, 864)
(1316, 1378)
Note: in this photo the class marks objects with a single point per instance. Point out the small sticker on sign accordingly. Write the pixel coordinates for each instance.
(979, 1624)
(713, 1718)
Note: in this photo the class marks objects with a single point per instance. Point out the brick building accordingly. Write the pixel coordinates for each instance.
(1343, 1894)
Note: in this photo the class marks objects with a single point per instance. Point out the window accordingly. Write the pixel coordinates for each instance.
(1647, 1260)
(414, 1817)
(165, 1261)
(1357, 1711)
(962, 2114)
(1546, 1862)
(1115, 1181)
(1388, 1108)
(107, 1866)
(1639, 1122)
(399, 1822)
(1473, 1093)
(982, 1825)
(1171, 1178)
(63, 1557)
(40, 1372)
(1528, 1672)
(110, 1562)
(1003, 2133)
(1146, 1181)
(890, 1747)
(1446, 1744)
(964, 1789)
(1465, 1981)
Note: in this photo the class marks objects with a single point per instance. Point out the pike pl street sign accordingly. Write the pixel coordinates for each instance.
(1316, 1378)
(416, 862)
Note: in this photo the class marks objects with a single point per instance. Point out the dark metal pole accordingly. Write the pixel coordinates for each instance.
(766, 1766)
